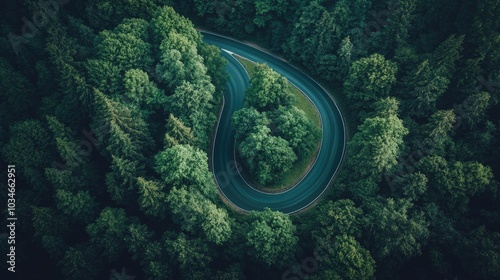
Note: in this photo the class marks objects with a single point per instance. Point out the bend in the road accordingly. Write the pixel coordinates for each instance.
(330, 155)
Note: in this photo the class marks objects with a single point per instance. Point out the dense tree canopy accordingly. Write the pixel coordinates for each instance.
(272, 133)
(267, 156)
(108, 111)
(267, 91)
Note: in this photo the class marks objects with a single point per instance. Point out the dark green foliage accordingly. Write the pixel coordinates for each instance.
(28, 147)
(319, 29)
(108, 232)
(79, 263)
(119, 131)
(480, 253)
(107, 14)
(16, 93)
(472, 111)
(346, 259)
(122, 180)
(188, 254)
(423, 86)
(394, 229)
(138, 240)
(340, 217)
(446, 54)
(80, 206)
(90, 90)
(455, 182)
(104, 75)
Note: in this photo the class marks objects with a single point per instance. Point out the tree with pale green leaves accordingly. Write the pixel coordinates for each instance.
(345, 56)
(105, 76)
(376, 146)
(216, 65)
(293, 125)
(124, 50)
(268, 90)
(183, 165)
(142, 92)
(246, 120)
(166, 20)
(344, 258)
(438, 129)
(370, 78)
(193, 104)
(195, 212)
(271, 238)
(267, 156)
(178, 133)
(180, 61)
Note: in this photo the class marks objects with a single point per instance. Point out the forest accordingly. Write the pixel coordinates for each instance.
(108, 111)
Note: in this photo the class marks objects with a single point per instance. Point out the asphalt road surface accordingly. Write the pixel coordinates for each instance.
(224, 166)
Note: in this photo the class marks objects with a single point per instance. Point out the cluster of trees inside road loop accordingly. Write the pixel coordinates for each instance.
(272, 133)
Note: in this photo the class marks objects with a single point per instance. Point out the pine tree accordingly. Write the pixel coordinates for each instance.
(119, 131)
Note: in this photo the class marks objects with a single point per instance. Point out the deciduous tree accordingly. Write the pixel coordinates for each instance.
(268, 157)
(183, 165)
(271, 238)
(268, 90)
(294, 126)
(370, 78)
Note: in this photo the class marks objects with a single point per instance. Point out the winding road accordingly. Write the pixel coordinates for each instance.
(331, 153)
